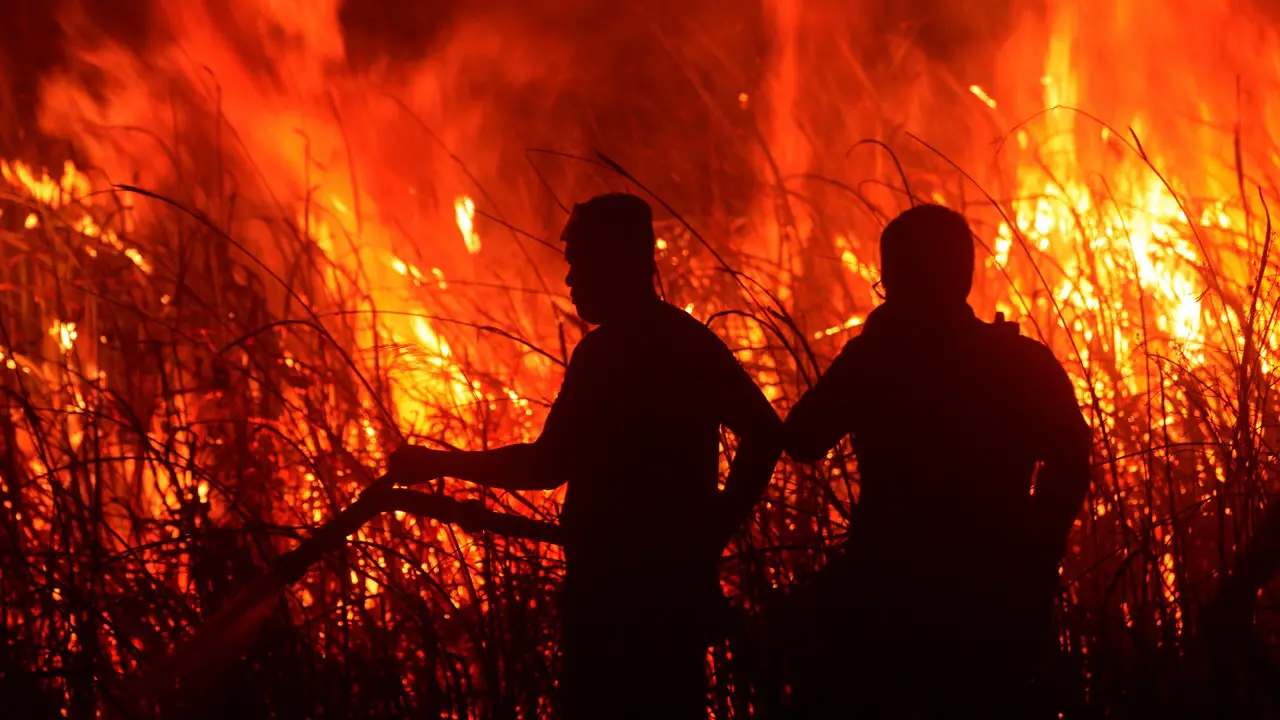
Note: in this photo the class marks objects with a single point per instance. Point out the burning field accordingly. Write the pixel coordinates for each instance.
(248, 247)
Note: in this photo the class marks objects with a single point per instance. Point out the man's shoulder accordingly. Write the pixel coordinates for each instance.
(691, 343)
(1015, 341)
(668, 327)
(1021, 351)
(593, 346)
(681, 326)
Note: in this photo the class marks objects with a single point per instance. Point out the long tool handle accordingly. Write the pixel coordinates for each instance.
(216, 643)
(469, 515)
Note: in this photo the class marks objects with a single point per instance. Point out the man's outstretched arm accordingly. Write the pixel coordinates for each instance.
(820, 418)
(539, 465)
(525, 466)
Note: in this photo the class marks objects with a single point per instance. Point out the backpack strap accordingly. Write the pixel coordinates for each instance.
(1003, 326)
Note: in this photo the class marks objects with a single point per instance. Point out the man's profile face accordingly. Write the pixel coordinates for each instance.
(590, 280)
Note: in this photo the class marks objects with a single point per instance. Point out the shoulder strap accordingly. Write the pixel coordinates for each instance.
(1005, 327)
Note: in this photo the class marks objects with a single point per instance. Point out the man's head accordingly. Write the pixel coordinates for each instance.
(609, 245)
(926, 257)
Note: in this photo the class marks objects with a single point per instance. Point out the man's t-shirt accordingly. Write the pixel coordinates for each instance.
(635, 430)
(949, 417)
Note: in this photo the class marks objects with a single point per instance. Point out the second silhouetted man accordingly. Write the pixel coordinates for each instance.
(953, 560)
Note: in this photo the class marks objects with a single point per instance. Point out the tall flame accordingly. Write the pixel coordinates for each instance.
(464, 211)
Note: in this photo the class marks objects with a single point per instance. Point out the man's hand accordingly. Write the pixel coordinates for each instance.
(413, 464)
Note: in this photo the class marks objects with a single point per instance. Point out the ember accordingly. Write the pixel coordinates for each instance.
(231, 283)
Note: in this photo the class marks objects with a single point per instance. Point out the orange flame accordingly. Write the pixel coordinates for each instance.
(464, 211)
(1130, 248)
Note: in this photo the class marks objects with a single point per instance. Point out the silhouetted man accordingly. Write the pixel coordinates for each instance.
(635, 433)
(948, 585)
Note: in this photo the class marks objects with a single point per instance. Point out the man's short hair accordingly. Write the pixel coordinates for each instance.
(927, 253)
(614, 226)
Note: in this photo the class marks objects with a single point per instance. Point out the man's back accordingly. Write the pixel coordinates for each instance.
(951, 561)
(949, 417)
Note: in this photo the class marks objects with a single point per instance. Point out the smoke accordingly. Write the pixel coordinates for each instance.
(656, 85)
(707, 102)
